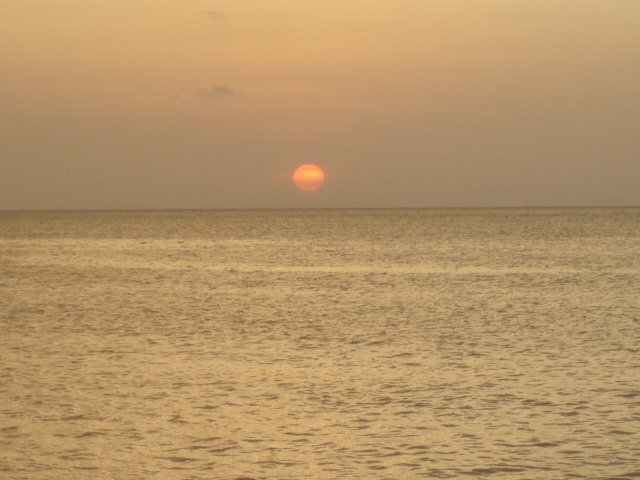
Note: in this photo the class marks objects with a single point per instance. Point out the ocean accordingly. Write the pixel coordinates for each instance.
(320, 344)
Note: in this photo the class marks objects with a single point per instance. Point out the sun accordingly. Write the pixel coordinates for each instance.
(308, 177)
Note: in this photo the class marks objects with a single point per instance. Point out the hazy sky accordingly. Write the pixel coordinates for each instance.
(212, 104)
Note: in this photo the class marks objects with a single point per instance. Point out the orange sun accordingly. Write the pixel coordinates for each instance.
(308, 177)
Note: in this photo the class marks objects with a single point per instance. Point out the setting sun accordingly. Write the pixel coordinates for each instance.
(308, 177)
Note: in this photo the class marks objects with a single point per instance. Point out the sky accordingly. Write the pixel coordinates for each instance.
(127, 104)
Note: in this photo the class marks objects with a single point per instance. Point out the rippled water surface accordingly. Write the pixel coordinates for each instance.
(392, 344)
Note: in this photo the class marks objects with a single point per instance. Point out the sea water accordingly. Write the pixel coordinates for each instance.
(320, 344)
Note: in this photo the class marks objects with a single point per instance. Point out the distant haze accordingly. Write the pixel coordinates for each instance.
(213, 104)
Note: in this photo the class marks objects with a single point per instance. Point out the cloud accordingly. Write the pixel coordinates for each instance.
(217, 91)
(215, 14)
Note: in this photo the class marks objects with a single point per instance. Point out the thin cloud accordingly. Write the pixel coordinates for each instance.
(215, 14)
(218, 91)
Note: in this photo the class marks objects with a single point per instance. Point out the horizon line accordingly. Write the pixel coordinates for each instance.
(197, 209)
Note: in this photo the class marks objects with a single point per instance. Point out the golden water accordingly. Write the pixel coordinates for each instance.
(337, 344)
